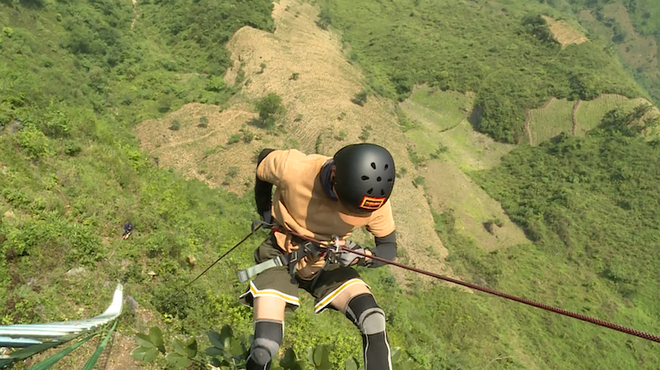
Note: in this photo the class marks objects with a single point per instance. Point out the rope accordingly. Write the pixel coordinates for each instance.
(97, 353)
(24, 353)
(528, 302)
(50, 361)
(254, 230)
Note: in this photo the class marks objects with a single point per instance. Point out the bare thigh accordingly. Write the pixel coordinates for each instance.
(269, 308)
(342, 300)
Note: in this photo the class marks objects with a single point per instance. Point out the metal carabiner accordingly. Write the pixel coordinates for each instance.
(334, 246)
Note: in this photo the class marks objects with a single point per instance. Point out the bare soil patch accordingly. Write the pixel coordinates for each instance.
(564, 32)
(574, 116)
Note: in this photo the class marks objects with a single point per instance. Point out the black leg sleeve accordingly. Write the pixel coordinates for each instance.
(364, 312)
(268, 335)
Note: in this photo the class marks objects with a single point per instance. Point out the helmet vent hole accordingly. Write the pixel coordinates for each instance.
(378, 179)
(386, 166)
(373, 165)
(370, 191)
(389, 180)
(382, 192)
(365, 178)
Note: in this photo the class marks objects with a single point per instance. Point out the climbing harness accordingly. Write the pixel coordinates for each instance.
(306, 248)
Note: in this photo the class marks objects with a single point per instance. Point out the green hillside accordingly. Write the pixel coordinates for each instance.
(511, 60)
(632, 28)
(76, 76)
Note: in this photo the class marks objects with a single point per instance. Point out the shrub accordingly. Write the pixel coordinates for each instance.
(234, 138)
(270, 109)
(203, 122)
(215, 84)
(34, 142)
(325, 18)
(366, 133)
(360, 98)
(71, 147)
(175, 125)
(247, 136)
(165, 103)
(341, 135)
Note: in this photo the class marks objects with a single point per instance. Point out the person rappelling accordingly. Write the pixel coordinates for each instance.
(325, 199)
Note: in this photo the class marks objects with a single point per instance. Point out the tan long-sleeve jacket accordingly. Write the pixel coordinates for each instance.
(301, 205)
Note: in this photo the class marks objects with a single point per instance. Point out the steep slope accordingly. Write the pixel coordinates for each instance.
(320, 117)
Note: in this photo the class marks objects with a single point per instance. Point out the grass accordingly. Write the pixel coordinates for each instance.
(552, 120)
(444, 109)
(639, 36)
(591, 112)
(464, 146)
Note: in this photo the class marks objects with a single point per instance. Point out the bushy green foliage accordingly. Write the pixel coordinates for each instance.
(270, 109)
(325, 18)
(510, 61)
(592, 202)
(75, 79)
(34, 142)
(230, 352)
(203, 122)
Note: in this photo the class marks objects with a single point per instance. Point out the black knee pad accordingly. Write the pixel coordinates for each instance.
(268, 335)
(365, 314)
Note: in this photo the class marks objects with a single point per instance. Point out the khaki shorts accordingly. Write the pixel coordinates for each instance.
(277, 282)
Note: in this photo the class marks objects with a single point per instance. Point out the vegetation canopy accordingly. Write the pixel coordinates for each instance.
(511, 61)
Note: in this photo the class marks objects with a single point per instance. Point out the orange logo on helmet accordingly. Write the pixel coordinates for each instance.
(372, 204)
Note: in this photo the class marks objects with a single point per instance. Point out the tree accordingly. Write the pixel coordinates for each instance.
(270, 109)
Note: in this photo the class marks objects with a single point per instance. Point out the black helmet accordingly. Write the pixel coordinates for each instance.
(364, 177)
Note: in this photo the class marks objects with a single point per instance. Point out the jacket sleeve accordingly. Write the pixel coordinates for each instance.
(263, 189)
(383, 229)
(385, 248)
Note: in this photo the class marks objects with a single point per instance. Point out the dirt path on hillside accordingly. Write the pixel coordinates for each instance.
(574, 116)
(528, 131)
(135, 13)
(231, 115)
